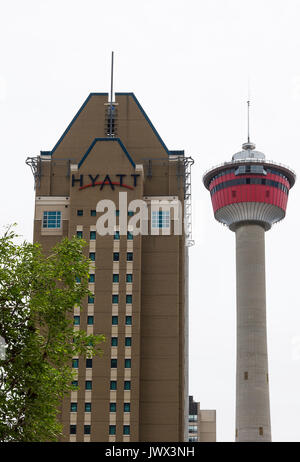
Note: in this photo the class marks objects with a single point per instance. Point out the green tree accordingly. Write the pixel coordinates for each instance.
(37, 298)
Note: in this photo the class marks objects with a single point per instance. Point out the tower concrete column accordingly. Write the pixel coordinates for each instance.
(252, 380)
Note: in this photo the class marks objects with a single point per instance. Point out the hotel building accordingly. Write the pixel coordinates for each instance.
(138, 389)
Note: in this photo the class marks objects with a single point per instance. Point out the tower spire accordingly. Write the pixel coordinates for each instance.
(248, 146)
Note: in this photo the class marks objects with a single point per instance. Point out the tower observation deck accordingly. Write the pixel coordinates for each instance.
(249, 194)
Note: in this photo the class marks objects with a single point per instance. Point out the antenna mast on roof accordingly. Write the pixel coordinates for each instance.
(111, 95)
(248, 146)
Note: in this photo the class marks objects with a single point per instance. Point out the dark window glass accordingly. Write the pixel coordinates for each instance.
(114, 320)
(126, 407)
(115, 298)
(115, 278)
(73, 407)
(128, 320)
(89, 363)
(88, 384)
(112, 407)
(127, 363)
(90, 320)
(79, 234)
(114, 341)
(87, 429)
(129, 236)
(93, 213)
(113, 384)
(129, 277)
(72, 429)
(92, 235)
(113, 363)
(75, 363)
(79, 213)
(117, 213)
(129, 256)
(127, 385)
(87, 407)
(130, 213)
(112, 429)
(92, 256)
(76, 320)
(128, 299)
(128, 341)
(126, 429)
(75, 384)
(116, 256)
(117, 236)
(91, 299)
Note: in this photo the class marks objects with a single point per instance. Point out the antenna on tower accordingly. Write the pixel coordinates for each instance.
(111, 115)
(248, 146)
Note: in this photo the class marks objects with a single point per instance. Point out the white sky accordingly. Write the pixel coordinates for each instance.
(188, 62)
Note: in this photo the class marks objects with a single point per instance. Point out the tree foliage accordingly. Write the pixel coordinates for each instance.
(37, 298)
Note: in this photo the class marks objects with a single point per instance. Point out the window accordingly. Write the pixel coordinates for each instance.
(87, 407)
(92, 278)
(193, 439)
(116, 256)
(193, 418)
(89, 363)
(117, 213)
(79, 213)
(128, 341)
(117, 236)
(115, 298)
(76, 320)
(87, 429)
(128, 299)
(115, 278)
(72, 429)
(91, 299)
(127, 363)
(160, 219)
(112, 429)
(75, 363)
(93, 213)
(126, 407)
(261, 431)
(92, 235)
(77, 279)
(129, 277)
(114, 341)
(129, 256)
(114, 320)
(112, 407)
(128, 320)
(192, 428)
(52, 220)
(130, 213)
(92, 256)
(74, 384)
(79, 234)
(127, 385)
(113, 363)
(126, 429)
(73, 407)
(129, 236)
(88, 384)
(90, 320)
(113, 384)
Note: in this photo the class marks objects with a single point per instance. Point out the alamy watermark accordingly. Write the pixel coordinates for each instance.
(154, 217)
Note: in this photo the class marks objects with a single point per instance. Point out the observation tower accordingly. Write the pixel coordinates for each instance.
(249, 194)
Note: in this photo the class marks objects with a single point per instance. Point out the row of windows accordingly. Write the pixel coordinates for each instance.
(193, 418)
(116, 256)
(113, 385)
(88, 407)
(113, 363)
(93, 213)
(115, 299)
(257, 181)
(115, 320)
(115, 278)
(252, 170)
(128, 341)
(79, 234)
(87, 429)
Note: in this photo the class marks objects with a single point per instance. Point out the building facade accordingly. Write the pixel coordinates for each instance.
(202, 423)
(138, 389)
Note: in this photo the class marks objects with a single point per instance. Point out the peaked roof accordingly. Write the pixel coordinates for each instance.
(106, 139)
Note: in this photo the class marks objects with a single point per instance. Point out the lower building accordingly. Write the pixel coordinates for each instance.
(202, 423)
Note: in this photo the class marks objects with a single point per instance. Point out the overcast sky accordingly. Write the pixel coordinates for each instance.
(188, 63)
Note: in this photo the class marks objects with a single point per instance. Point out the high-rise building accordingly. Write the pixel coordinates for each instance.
(202, 423)
(249, 194)
(138, 390)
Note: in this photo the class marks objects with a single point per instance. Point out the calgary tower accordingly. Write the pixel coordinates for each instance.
(249, 194)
